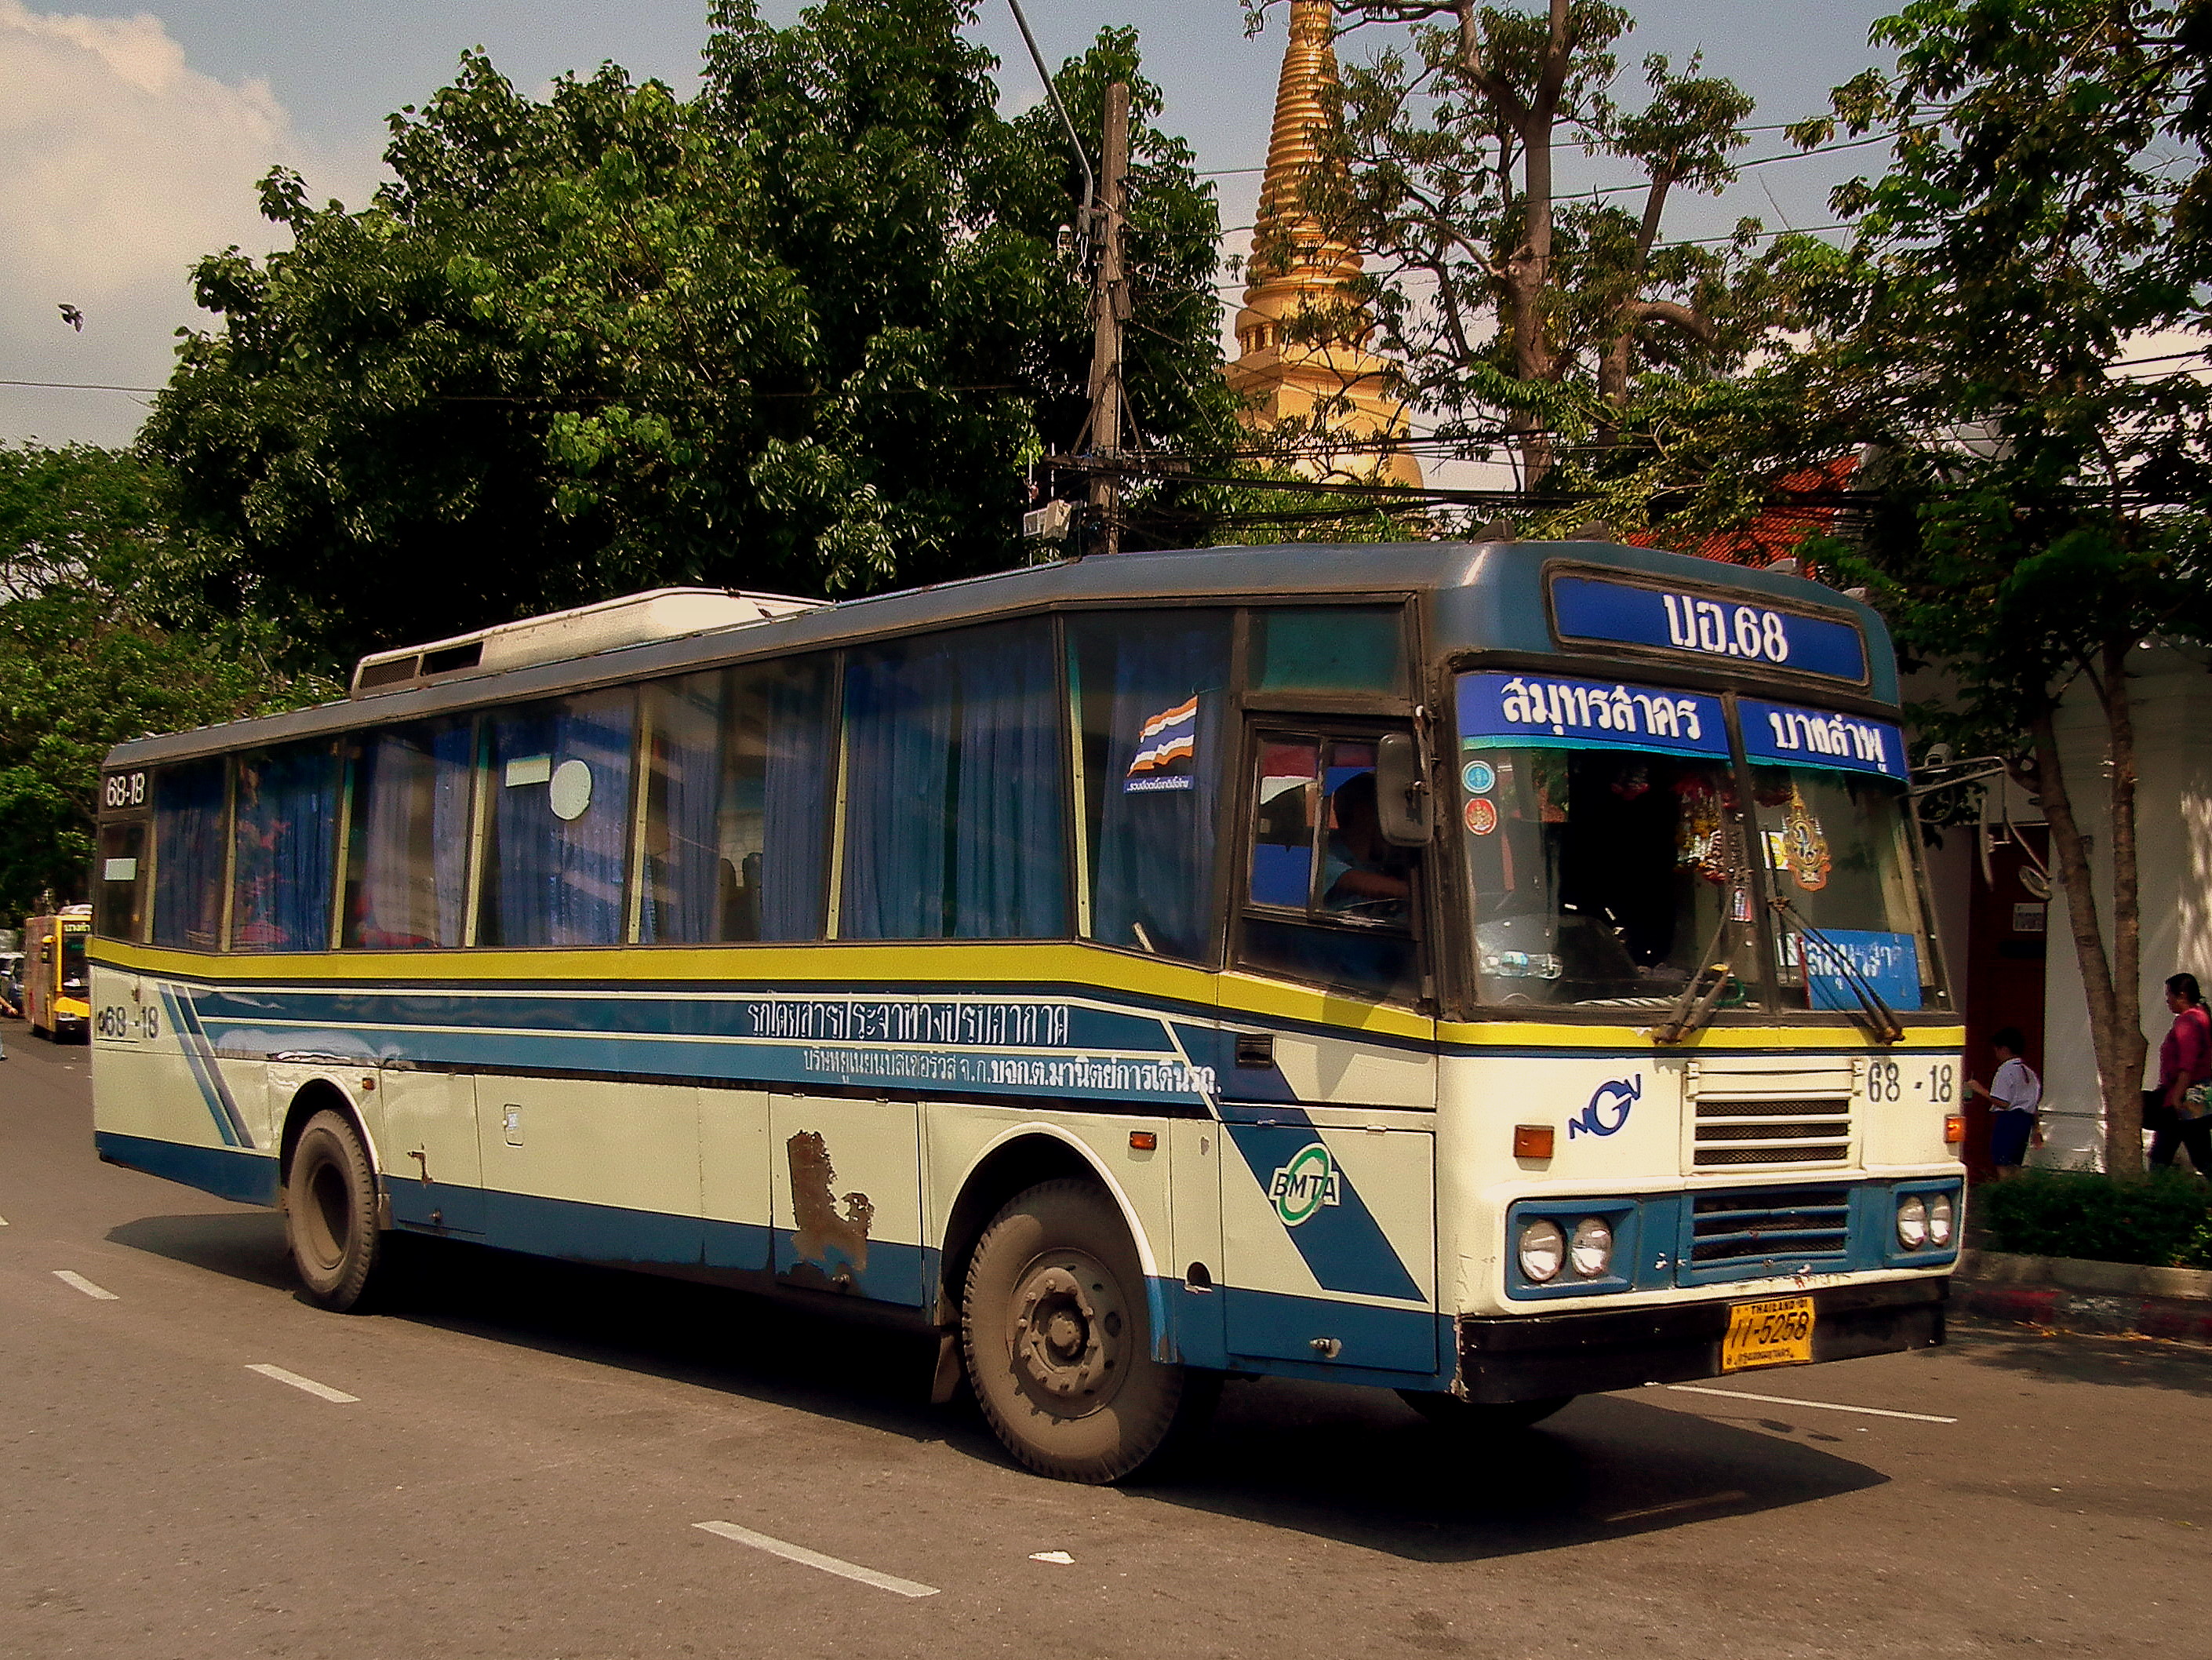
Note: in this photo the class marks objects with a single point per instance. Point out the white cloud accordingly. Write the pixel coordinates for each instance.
(119, 166)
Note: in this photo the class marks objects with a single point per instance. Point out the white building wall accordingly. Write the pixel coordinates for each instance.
(2173, 698)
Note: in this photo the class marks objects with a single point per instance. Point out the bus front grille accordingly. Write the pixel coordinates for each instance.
(1732, 1130)
(1777, 1231)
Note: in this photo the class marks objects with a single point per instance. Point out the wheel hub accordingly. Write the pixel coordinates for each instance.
(1068, 1334)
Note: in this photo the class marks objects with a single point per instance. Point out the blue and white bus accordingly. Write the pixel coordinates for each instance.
(1494, 972)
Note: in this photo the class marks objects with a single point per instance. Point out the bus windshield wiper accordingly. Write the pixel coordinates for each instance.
(1694, 1009)
(1880, 1020)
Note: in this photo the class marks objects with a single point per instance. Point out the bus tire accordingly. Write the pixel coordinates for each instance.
(1053, 1328)
(1477, 1418)
(330, 1215)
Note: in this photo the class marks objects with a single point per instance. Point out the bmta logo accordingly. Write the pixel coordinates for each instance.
(1304, 1185)
(1608, 1108)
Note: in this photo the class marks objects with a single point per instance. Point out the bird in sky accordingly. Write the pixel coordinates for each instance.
(73, 317)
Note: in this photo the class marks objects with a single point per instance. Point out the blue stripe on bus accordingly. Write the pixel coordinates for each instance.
(250, 1178)
(1344, 1246)
(177, 1004)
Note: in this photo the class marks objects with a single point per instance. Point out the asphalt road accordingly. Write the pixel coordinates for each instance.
(531, 1449)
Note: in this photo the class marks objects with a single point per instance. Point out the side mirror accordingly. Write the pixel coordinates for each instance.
(1401, 792)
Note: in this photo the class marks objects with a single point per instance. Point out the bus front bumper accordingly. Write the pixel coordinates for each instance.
(1527, 1360)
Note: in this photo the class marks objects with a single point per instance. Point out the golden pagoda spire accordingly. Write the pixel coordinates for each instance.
(1335, 384)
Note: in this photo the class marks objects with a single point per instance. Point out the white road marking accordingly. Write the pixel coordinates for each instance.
(86, 1285)
(308, 1383)
(1821, 1405)
(1059, 1556)
(815, 1558)
(3, 1221)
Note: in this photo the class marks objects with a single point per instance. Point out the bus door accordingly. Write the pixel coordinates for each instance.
(434, 1170)
(1327, 1208)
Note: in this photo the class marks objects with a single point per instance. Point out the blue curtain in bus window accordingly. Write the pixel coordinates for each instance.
(953, 789)
(284, 827)
(188, 852)
(684, 788)
(1150, 690)
(407, 876)
(1009, 859)
(559, 822)
(900, 706)
(801, 750)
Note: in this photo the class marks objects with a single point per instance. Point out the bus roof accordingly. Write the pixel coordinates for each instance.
(1487, 596)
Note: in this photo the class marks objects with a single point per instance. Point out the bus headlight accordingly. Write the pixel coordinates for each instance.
(1912, 1221)
(1543, 1249)
(1591, 1249)
(1942, 1214)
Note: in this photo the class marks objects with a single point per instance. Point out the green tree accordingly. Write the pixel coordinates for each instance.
(1521, 309)
(805, 331)
(2039, 505)
(95, 649)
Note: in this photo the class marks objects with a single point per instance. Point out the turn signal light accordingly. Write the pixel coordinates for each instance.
(1143, 1140)
(1954, 1130)
(1532, 1140)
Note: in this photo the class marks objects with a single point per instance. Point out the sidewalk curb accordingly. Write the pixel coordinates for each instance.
(2084, 1296)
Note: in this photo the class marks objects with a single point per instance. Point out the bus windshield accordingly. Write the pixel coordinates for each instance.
(74, 982)
(1599, 876)
(1606, 838)
(1839, 858)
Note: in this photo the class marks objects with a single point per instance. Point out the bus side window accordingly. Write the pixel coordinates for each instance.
(556, 831)
(954, 770)
(1330, 898)
(738, 767)
(284, 826)
(407, 863)
(1148, 690)
(191, 833)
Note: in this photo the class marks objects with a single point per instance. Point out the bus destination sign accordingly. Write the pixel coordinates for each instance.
(1696, 625)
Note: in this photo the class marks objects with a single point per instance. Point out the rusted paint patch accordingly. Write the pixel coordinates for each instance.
(824, 1234)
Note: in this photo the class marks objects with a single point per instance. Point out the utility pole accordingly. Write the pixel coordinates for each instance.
(1111, 310)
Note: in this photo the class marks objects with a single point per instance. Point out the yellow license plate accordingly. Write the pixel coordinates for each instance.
(1775, 1333)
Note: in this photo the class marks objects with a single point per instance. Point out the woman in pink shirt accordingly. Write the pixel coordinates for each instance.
(2183, 1058)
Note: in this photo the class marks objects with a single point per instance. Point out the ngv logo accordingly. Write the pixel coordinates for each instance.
(1608, 1108)
(1304, 1185)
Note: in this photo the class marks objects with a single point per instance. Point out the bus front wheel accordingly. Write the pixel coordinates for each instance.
(1448, 1412)
(1055, 1330)
(329, 1215)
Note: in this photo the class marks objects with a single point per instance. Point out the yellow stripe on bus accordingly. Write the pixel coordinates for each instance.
(1082, 968)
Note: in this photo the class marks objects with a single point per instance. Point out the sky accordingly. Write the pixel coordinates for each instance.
(130, 144)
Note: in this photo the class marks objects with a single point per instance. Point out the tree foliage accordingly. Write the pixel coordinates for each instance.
(97, 646)
(2042, 505)
(1520, 308)
(805, 330)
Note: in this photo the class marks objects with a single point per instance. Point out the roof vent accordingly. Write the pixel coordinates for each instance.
(635, 619)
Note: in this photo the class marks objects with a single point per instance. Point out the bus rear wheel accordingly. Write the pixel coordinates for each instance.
(1477, 1418)
(330, 1215)
(1053, 1328)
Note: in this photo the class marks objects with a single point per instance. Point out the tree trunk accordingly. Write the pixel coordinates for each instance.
(2115, 1026)
(1525, 271)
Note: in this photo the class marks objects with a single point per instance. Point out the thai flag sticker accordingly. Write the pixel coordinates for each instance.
(1167, 748)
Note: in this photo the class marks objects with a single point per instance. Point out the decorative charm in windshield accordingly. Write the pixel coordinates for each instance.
(1630, 614)
(1541, 711)
(1780, 734)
